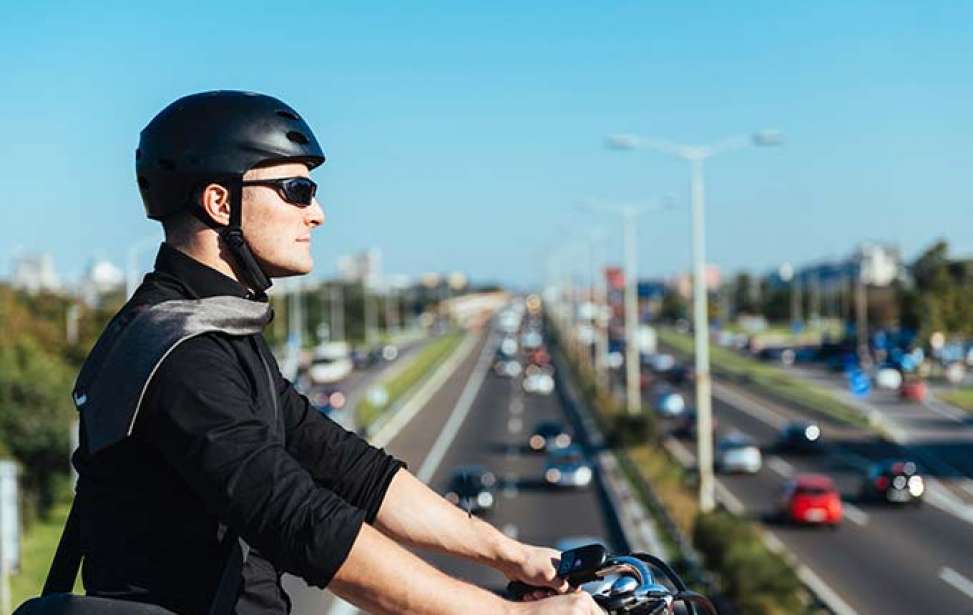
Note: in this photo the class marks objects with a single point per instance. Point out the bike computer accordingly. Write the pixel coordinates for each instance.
(579, 565)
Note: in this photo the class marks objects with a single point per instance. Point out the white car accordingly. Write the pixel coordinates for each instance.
(540, 383)
(736, 453)
(888, 379)
(671, 404)
(331, 363)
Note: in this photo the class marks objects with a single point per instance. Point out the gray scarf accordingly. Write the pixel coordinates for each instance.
(116, 374)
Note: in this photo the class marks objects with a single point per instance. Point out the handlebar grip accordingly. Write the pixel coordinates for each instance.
(516, 590)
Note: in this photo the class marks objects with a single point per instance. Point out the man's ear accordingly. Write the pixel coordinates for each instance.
(215, 201)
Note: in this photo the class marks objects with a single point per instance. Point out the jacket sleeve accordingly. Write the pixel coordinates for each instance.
(337, 458)
(203, 422)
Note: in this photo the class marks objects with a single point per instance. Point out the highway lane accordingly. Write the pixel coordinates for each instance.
(883, 559)
(937, 434)
(494, 434)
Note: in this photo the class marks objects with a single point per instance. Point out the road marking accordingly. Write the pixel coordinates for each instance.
(749, 406)
(808, 577)
(515, 425)
(945, 411)
(854, 514)
(417, 402)
(511, 530)
(957, 580)
(516, 405)
(681, 452)
(730, 501)
(448, 434)
(780, 466)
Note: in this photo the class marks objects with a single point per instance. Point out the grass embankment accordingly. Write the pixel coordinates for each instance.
(422, 364)
(768, 379)
(962, 397)
(37, 547)
(756, 580)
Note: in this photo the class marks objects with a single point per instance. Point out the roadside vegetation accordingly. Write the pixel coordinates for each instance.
(419, 367)
(962, 397)
(738, 565)
(767, 379)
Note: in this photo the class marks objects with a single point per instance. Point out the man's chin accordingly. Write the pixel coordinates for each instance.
(290, 270)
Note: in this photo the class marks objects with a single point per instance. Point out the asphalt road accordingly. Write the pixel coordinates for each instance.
(493, 433)
(882, 559)
(937, 434)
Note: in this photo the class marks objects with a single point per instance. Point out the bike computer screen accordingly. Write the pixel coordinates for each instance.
(579, 564)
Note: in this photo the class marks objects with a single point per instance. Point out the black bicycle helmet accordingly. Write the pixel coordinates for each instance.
(212, 136)
(217, 137)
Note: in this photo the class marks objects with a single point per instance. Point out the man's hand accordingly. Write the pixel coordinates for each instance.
(578, 603)
(535, 566)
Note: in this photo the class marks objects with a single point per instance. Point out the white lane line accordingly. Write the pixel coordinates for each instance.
(780, 466)
(456, 419)
(854, 514)
(681, 452)
(957, 580)
(944, 410)
(807, 576)
(516, 405)
(418, 401)
(749, 406)
(730, 501)
(515, 426)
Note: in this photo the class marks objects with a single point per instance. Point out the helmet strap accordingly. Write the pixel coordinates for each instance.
(232, 234)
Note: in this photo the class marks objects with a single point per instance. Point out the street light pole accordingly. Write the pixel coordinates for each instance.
(633, 394)
(633, 390)
(704, 410)
(695, 155)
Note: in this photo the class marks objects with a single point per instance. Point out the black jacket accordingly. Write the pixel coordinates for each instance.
(210, 446)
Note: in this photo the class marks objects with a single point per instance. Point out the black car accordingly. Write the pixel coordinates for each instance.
(895, 481)
(549, 435)
(472, 488)
(684, 425)
(800, 437)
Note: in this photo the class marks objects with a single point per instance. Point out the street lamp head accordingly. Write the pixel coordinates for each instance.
(621, 142)
(768, 138)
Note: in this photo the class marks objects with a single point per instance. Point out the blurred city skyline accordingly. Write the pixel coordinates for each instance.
(464, 139)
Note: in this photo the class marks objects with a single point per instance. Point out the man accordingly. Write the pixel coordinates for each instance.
(191, 436)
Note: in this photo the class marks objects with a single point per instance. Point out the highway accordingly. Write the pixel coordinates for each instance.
(882, 559)
(477, 417)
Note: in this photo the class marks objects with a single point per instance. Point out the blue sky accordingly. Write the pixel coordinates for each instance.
(460, 136)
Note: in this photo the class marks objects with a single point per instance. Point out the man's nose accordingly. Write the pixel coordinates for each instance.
(316, 213)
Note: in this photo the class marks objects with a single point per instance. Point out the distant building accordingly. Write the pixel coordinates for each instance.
(100, 278)
(35, 273)
(876, 265)
(364, 267)
(683, 283)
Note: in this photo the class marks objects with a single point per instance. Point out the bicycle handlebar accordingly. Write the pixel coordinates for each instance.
(635, 591)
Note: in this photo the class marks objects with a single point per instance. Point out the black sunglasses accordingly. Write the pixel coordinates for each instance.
(295, 190)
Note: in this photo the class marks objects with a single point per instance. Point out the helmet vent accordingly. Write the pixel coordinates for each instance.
(297, 137)
(288, 114)
(167, 164)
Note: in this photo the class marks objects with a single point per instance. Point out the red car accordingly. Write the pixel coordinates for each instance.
(913, 390)
(812, 499)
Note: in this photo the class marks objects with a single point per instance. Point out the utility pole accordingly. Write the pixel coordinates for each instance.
(695, 155)
(861, 312)
(370, 316)
(633, 391)
(391, 311)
